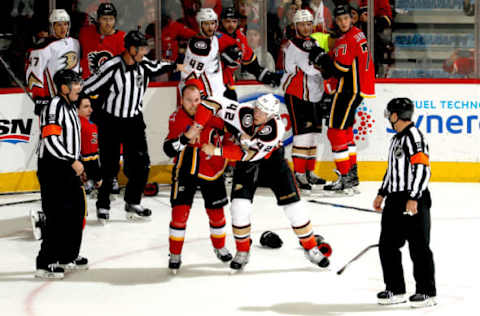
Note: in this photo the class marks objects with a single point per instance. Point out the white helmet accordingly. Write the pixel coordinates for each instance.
(58, 15)
(269, 104)
(302, 16)
(206, 14)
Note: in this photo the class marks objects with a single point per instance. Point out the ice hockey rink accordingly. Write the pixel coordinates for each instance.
(128, 274)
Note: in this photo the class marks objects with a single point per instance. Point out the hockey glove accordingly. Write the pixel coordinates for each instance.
(270, 78)
(270, 240)
(318, 57)
(40, 103)
(232, 56)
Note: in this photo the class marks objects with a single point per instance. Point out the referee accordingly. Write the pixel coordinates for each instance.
(121, 82)
(406, 214)
(59, 170)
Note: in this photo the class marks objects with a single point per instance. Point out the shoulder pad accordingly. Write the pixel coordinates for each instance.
(269, 132)
(200, 46)
(305, 45)
(246, 118)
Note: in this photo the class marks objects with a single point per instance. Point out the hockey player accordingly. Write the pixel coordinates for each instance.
(260, 161)
(201, 58)
(406, 214)
(89, 148)
(124, 80)
(235, 52)
(100, 41)
(193, 169)
(352, 65)
(59, 171)
(58, 52)
(303, 86)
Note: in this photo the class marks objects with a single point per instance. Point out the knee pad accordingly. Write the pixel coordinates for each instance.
(241, 211)
(216, 216)
(180, 216)
(338, 139)
(296, 214)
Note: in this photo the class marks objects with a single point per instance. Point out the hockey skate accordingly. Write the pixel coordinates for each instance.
(389, 298)
(115, 186)
(240, 260)
(174, 263)
(223, 254)
(80, 263)
(317, 258)
(228, 175)
(303, 183)
(340, 187)
(89, 187)
(51, 272)
(313, 179)
(422, 300)
(37, 219)
(137, 212)
(103, 215)
(352, 179)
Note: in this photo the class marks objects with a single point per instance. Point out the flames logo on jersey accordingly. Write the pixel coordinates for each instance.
(96, 59)
(71, 60)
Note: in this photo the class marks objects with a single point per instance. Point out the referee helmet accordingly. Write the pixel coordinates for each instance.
(402, 106)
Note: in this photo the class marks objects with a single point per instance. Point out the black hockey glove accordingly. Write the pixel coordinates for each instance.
(270, 78)
(232, 56)
(318, 57)
(270, 240)
(40, 103)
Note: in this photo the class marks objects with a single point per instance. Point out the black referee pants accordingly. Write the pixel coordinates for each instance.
(63, 202)
(130, 132)
(398, 228)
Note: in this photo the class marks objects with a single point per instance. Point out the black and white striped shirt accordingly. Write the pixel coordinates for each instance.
(60, 128)
(123, 86)
(408, 164)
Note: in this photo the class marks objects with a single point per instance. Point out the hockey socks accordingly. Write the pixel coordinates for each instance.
(177, 228)
(217, 227)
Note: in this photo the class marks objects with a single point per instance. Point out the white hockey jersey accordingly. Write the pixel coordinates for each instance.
(238, 118)
(44, 62)
(301, 79)
(202, 61)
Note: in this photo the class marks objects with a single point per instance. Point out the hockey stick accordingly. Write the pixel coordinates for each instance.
(20, 202)
(10, 72)
(344, 206)
(356, 258)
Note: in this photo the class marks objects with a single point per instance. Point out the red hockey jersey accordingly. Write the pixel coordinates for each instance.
(238, 38)
(171, 33)
(96, 48)
(209, 167)
(352, 57)
(89, 150)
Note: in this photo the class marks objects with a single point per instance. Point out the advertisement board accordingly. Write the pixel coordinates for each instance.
(447, 114)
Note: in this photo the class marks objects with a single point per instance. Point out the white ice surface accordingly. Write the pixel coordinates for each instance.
(128, 274)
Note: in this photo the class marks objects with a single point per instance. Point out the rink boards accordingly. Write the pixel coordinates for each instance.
(447, 114)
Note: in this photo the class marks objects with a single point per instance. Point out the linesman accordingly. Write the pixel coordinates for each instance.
(59, 171)
(122, 82)
(406, 214)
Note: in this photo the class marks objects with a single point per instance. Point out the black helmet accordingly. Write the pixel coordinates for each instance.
(106, 9)
(66, 77)
(271, 240)
(135, 38)
(229, 13)
(402, 106)
(341, 10)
